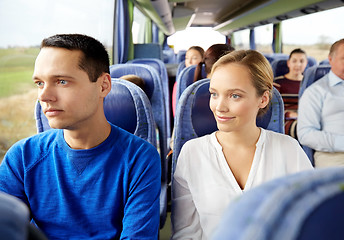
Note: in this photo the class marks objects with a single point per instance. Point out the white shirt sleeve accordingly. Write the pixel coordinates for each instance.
(184, 216)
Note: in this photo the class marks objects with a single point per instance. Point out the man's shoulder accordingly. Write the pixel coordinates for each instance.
(44, 138)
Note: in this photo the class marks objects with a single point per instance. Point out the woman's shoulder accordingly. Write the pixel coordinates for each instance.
(274, 138)
(199, 141)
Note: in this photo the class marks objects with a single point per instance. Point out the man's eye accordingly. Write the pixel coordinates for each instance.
(39, 84)
(62, 82)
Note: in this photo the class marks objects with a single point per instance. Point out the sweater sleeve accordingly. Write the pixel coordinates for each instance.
(12, 173)
(141, 211)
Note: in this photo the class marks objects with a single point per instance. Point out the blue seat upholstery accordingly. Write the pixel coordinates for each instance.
(311, 75)
(148, 50)
(195, 119)
(324, 62)
(186, 78)
(180, 68)
(169, 55)
(154, 91)
(279, 65)
(161, 68)
(302, 206)
(181, 56)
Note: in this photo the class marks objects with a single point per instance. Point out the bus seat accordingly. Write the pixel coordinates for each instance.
(161, 68)
(305, 205)
(268, 57)
(185, 79)
(194, 118)
(324, 62)
(311, 75)
(181, 56)
(148, 50)
(169, 56)
(154, 91)
(180, 68)
(126, 106)
(279, 65)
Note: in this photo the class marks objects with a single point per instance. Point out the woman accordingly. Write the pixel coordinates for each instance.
(213, 53)
(214, 169)
(193, 56)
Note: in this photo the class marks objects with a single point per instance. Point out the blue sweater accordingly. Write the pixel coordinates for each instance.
(107, 192)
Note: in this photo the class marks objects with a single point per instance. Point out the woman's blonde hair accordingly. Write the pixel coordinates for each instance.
(259, 68)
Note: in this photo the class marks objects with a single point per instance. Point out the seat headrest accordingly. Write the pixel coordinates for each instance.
(120, 98)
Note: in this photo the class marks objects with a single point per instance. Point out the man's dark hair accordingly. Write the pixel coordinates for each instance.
(297, 50)
(95, 59)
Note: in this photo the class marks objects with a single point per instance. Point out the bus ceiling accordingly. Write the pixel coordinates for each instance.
(227, 16)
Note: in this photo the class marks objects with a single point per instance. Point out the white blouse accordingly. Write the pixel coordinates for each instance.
(203, 184)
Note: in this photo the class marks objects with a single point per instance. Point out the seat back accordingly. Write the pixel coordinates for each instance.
(181, 56)
(148, 50)
(158, 65)
(279, 65)
(154, 91)
(194, 118)
(169, 56)
(180, 68)
(306, 205)
(186, 78)
(125, 106)
(311, 75)
(324, 62)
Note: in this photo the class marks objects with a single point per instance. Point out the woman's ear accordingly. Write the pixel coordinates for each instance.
(264, 99)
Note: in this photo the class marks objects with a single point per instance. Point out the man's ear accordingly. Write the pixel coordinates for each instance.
(264, 100)
(105, 84)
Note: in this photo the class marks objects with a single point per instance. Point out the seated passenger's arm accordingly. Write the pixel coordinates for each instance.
(12, 173)
(142, 209)
(184, 216)
(309, 129)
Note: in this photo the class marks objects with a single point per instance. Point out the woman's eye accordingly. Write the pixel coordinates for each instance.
(212, 94)
(235, 96)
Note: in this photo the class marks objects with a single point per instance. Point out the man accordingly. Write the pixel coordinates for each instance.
(321, 113)
(86, 179)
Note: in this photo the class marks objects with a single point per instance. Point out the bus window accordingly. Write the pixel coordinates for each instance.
(242, 39)
(138, 28)
(195, 36)
(23, 25)
(263, 37)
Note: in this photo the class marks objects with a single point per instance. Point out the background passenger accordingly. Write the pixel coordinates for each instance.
(288, 85)
(213, 53)
(193, 56)
(86, 178)
(135, 79)
(321, 113)
(214, 169)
